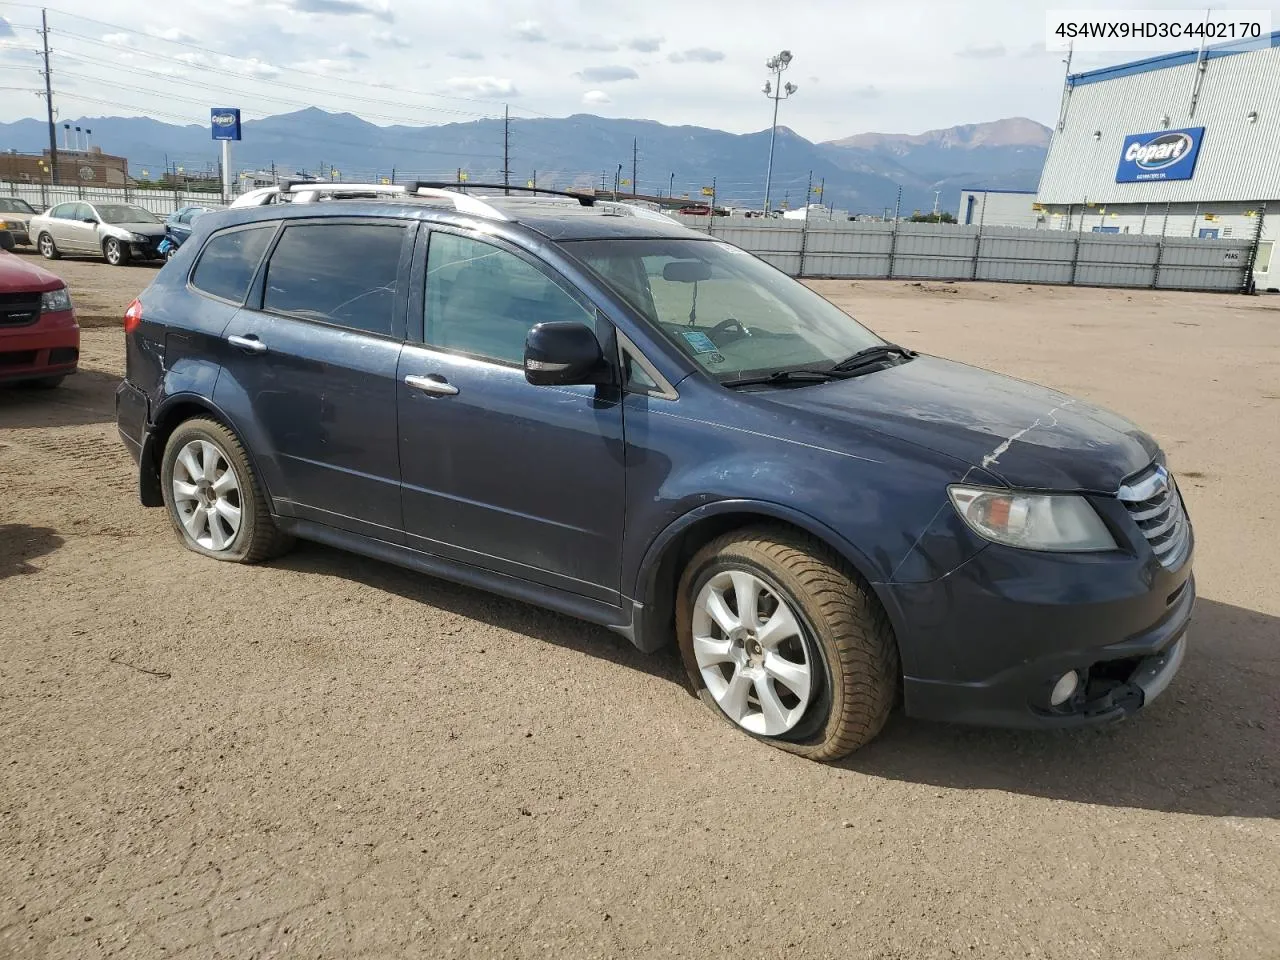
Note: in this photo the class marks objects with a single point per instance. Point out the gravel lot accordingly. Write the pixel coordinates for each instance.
(330, 757)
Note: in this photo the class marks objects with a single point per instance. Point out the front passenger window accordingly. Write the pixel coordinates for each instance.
(482, 301)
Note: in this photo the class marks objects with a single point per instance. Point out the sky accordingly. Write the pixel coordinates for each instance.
(860, 65)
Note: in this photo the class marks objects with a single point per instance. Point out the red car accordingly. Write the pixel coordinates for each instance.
(39, 335)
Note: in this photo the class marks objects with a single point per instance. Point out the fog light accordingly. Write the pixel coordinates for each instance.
(1064, 688)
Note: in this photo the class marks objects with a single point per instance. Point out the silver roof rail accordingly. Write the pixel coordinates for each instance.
(462, 202)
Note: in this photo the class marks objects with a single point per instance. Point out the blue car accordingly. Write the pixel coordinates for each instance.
(177, 228)
(589, 407)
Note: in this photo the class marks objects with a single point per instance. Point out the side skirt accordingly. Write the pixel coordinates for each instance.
(584, 608)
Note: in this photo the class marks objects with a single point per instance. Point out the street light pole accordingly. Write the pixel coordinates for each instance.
(776, 91)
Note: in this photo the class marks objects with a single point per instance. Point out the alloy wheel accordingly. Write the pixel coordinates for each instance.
(752, 652)
(206, 495)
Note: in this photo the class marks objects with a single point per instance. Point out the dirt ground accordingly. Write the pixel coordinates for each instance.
(331, 757)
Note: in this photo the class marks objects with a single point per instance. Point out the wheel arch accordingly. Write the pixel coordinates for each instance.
(668, 553)
(171, 414)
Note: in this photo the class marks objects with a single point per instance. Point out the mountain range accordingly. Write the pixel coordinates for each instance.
(862, 173)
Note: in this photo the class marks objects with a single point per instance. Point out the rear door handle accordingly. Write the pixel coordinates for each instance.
(433, 384)
(251, 343)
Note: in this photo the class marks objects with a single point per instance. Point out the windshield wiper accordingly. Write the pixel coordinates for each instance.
(874, 354)
(788, 377)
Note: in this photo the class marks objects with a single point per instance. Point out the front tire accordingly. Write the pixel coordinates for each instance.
(216, 503)
(784, 641)
(48, 249)
(115, 252)
(48, 383)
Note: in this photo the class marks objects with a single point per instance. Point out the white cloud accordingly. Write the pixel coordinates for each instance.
(482, 86)
(194, 59)
(170, 33)
(990, 52)
(348, 52)
(325, 65)
(530, 31)
(595, 45)
(467, 55)
(343, 8)
(609, 74)
(5, 29)
(697, 55)
(253, 67)
(645, 44)
(388, 38)
(118, 39)
(596, 97)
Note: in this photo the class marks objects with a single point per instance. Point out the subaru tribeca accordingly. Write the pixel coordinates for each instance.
(594, 409)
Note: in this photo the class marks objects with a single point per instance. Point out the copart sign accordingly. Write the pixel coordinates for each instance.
(1163, 155)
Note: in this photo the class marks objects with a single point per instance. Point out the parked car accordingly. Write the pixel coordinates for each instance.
(39, 335)
(117, 232)
(178, 228)
(15, 214)
(630, 422)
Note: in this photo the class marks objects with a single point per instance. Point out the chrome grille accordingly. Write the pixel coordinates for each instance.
(1152, 499)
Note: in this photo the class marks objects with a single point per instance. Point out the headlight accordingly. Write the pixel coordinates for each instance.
(1034, 521)
(4, 225)
(138, 238)
(55, 301)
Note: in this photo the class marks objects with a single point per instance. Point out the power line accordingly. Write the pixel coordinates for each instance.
(240, 76)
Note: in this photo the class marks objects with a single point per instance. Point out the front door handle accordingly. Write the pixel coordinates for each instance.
(250, 343)
(433, 384)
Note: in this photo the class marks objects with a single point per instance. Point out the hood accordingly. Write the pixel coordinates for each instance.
(1027, 435)
(146, 229)
(20, 275)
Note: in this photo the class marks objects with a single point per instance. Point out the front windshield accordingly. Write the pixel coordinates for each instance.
(736, 316)
(124, 213)
(14, 205)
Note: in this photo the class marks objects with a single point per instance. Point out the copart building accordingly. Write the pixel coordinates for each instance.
(1183, 145)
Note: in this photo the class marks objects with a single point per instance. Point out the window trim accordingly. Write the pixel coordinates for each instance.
(253, 278)
(664, 389)
(256, 297)
(419, 336)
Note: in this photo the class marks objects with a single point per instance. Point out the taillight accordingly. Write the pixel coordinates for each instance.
(133, 316)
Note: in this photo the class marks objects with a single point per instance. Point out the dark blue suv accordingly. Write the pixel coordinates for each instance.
(589, 407)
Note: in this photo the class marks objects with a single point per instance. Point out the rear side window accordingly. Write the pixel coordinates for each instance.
(342, 273)
(229, 261)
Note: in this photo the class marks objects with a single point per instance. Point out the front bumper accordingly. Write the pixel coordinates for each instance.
(986, 644)
(49, 348)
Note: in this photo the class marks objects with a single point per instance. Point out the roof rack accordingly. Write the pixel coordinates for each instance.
(585, 199)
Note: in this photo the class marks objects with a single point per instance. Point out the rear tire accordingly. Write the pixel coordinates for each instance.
(844, 642)
(48, 249)
(48, 383)
(216, 503)
(115, 252)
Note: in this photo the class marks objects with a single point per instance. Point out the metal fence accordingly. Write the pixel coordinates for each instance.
(935, 251)
(159, 202)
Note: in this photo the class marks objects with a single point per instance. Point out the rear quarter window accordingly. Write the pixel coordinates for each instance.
(229, 260)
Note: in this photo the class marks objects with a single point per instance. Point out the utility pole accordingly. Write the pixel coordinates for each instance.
(897, 207)
(808, 197)
(635, 152)
(48, 99)
(617, 181)
(671, 188)
(936, 195)
(506, 148)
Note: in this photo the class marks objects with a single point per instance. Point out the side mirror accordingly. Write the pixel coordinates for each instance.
(6, 240)
(89, 220)
(561, 353)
